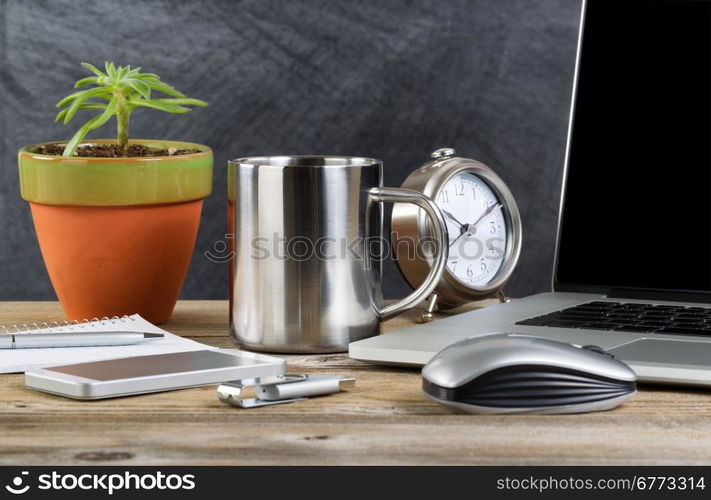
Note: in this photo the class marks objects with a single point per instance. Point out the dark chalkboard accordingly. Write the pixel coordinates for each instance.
(392, 79)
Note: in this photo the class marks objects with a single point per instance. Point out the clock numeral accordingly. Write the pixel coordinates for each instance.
(454, 265)
(444, 196)
(470, 273)
(459, 189)
(492, 227)
(483, 265)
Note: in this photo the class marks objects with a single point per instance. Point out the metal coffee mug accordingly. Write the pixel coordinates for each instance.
(304, 276)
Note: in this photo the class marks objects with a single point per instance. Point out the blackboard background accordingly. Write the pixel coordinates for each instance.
(392, 79)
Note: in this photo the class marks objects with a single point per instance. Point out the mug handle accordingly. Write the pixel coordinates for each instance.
(441, 253)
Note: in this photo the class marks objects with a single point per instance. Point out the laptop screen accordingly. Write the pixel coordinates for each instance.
(636, 210)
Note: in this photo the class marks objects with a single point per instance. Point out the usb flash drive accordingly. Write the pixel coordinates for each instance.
(278, 390)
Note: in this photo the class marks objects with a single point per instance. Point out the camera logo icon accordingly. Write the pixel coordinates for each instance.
(16, 487)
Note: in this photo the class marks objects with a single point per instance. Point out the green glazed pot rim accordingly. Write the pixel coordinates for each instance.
(150, 143)
(121, 181)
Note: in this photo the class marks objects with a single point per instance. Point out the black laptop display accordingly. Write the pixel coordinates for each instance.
(636, 216)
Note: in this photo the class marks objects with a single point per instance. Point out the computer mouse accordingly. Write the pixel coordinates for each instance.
(518, 373)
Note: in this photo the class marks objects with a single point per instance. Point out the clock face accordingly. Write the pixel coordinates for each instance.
(477, 229)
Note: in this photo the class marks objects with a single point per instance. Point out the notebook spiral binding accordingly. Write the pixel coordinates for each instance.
(74, 325)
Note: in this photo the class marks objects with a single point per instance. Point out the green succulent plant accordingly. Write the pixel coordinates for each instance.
(118, 91)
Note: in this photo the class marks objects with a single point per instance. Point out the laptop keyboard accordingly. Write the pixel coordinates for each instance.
(629, 317)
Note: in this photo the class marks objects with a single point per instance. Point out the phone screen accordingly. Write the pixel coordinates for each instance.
(158, 364)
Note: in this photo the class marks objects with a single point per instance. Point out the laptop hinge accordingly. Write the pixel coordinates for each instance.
(665, 295)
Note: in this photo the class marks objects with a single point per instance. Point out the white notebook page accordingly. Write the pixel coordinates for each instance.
(20, 360)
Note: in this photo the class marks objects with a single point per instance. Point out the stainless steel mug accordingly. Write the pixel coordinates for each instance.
(303, 277)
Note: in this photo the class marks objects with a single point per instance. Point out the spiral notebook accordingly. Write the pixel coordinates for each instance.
(20, 360)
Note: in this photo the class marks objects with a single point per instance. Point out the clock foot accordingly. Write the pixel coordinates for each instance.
(502, 296)
(428, 315)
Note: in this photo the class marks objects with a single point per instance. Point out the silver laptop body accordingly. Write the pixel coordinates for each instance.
(656, 357)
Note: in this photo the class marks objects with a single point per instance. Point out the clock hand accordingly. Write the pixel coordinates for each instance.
(488, 211)
(462, 233)
(470, 229)
(462, 227)
(452, 217)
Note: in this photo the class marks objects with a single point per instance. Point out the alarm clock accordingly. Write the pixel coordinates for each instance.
(484, 226)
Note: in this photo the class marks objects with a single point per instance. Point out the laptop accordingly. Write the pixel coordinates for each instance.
(632, 269)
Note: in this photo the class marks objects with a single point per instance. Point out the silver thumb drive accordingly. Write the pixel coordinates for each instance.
(278, 390)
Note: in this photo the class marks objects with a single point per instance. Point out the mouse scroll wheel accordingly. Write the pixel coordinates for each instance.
(598, 350)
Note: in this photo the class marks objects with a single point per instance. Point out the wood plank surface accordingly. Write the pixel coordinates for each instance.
(385, 419)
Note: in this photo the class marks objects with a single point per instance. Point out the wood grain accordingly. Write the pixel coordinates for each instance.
(384, 420)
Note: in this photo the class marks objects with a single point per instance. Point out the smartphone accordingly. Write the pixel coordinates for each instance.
(155, 373)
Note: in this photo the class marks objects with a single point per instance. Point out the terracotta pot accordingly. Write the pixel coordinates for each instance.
(117, 234)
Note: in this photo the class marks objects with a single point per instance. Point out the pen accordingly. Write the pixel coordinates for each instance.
(87, 339)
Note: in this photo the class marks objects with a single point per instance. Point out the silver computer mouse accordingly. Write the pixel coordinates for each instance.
(516, 373)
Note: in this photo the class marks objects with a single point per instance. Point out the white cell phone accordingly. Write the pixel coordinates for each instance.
(155, 373)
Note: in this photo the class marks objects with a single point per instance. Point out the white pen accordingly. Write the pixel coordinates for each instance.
(86, 339)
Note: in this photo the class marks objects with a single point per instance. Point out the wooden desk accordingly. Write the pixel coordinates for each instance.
(384, 420)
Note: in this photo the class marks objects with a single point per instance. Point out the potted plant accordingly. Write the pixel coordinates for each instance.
(117, 219)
